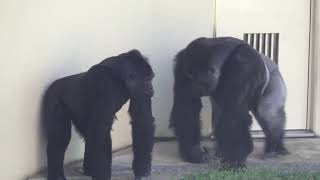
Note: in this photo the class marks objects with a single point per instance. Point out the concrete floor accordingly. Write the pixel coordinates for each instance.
(304, 155)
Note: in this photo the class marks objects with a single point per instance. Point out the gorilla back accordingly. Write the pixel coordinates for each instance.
(239, 79)
(90, 100)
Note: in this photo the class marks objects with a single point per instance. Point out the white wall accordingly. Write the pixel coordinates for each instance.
(174, 25)
(42, 40)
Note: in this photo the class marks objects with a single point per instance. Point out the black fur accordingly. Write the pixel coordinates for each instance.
(233, 74)
(90, 100)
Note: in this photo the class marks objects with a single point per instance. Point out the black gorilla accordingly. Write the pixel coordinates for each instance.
(239, 79)
(90, 100)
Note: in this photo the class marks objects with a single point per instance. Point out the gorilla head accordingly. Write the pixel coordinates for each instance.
(135, 71)
(138, 82)
(197, 65)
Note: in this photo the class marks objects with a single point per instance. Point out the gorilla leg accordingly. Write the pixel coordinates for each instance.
(98, 152)
(233, 137)
(86, 160)
(273, 130)
(270, 114)
(142, 135)
(59, 134)
(185, 119)
(85, 165)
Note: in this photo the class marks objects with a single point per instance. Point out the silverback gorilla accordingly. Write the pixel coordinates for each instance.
(90, 100)
(238, 79)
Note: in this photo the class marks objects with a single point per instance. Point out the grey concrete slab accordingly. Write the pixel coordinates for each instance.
(304, 155)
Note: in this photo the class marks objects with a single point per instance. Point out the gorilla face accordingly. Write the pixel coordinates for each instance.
(139, 85)
(204, 80)
(138, 75)
(199, 68)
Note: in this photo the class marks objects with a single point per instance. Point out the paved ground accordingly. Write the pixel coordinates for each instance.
(305, 155)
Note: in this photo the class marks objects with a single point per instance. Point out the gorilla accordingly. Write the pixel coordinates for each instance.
(90, 100)
(239, 80)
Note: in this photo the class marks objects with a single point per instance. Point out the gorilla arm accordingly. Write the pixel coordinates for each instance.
(185, 120)
(143, 129)
(241, 77)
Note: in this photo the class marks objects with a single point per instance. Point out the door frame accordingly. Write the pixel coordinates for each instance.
(313, 77)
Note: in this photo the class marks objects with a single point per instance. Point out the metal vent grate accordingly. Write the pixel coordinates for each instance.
(265, 43)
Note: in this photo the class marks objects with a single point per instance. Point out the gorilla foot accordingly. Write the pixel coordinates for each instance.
(87, 173)
(142, 178)
(283, 151)
(195, 155)
(273, 154)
